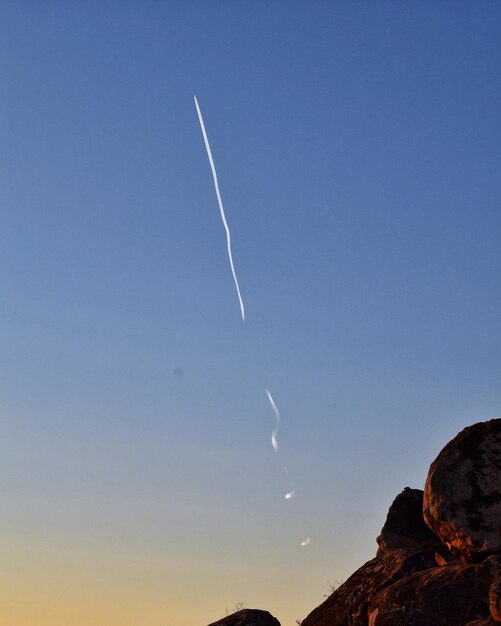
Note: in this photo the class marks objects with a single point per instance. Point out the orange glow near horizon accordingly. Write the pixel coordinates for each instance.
(55, 583)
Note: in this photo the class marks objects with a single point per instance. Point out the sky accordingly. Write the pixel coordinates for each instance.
(358, 150)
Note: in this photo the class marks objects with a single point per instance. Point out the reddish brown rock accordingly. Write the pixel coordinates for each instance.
(248, 617)
(462, 496)
(440, 560)
(404, 527)
(348, 604)
(495, 600)
(495, 590)
(446, 596)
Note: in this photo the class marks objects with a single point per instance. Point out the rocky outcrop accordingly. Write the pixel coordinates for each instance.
(248, 617)
(348, 604)
(455, 594)
(462, 496)
(406, 545)
(404, 527)
(444, 573)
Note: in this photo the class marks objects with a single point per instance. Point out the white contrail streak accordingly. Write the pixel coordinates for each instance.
(220, 202)
(273, 405)
(274, 441)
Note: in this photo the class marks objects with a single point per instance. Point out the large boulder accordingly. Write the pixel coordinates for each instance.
(462, 496)
(444, 596)
(404, 527)
(348, 604)
(248, 617)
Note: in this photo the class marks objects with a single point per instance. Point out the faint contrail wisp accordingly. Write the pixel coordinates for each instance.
(274, 441)
(220, 202)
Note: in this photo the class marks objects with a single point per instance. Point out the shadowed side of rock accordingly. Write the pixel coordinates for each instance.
(404, 527)
(348, 604)
(406, 546)
(248, 617)
(443, 596)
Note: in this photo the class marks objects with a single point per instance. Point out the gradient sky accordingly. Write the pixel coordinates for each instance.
(358, 152)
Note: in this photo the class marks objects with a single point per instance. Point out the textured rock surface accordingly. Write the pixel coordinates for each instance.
(495, 600)
(445, 596)
(462, 496)
(404, 527)
(248, 617)
(348, 604)
(495, 590)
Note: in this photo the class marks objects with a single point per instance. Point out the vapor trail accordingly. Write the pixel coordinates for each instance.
(274, 441)
(220, 202)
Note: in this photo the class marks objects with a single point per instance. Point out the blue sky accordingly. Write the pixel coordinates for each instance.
(358, 149)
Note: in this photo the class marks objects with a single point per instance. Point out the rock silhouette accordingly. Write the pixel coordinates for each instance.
(349, 603)
(248, 617)
(404, 527)
(406, 546)
(438, 562)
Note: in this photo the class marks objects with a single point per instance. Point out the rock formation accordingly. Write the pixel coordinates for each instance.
(248, 617)
(462, 497)
(404, 527)
(442, 596)
(438, 562)
(406, 546)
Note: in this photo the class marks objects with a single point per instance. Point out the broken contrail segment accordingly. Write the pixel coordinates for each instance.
(274, 441)
(220, 202)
